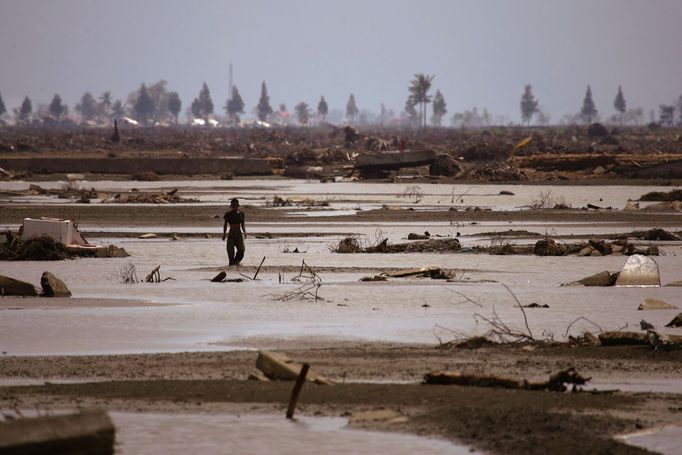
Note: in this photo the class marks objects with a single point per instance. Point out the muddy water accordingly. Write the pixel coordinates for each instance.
(171, 434)
(198, 315)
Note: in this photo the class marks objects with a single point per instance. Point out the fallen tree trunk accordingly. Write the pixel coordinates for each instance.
(556, 382)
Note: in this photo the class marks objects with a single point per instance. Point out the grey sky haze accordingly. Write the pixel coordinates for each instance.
(482, 52)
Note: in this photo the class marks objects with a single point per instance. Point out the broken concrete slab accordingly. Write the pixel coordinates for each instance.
(89, 431)
(281, 367)
(12, 286)
(639, 271)
(53, 286)
(651, 303)
(675, 283)
(150, 235)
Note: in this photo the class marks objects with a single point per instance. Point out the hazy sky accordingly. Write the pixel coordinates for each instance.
(481, 52)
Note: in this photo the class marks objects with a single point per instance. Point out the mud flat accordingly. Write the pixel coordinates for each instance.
(187, 345)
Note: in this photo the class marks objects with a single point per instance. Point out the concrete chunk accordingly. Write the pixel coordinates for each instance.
(639, 271)
(53, 286)
(11, 286)
(655, 304)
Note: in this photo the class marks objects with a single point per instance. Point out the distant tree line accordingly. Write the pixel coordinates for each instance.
(154, 104)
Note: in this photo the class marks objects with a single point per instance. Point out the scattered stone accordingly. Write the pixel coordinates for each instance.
(639, 271)
(655, 304)
(53, 286)
(535, 305)
(599, 279)
(676, 322)
(415, 236)
(11, 286)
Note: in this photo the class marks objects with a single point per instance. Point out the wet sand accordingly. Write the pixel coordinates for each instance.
(200, 337)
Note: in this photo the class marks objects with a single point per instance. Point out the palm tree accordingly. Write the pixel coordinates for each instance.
(419, 92)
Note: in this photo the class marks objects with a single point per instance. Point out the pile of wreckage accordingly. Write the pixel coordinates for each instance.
(52, 239)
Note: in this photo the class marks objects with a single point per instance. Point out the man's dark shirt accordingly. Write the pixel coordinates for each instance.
(234, 218)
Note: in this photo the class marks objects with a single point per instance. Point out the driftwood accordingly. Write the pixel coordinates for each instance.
(556, 382)
(310, 288)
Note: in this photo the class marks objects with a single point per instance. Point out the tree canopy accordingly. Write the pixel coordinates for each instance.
(351, 108)
(25, 111)
(588, 112)
(302, 113)
(529, 105)
(174, 105)
(234, 105)
(144, 105)
(263, 109)
(87, 106)
(419, 92)
(57, 108)
(322, 108)
(439, 108)
(3, 109)
(202, 106)
(619, 101)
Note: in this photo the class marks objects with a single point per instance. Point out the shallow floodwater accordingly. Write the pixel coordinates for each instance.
(171, 434)
(194, 314)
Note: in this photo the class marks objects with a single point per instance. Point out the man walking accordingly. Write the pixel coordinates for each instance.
(235, 218)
